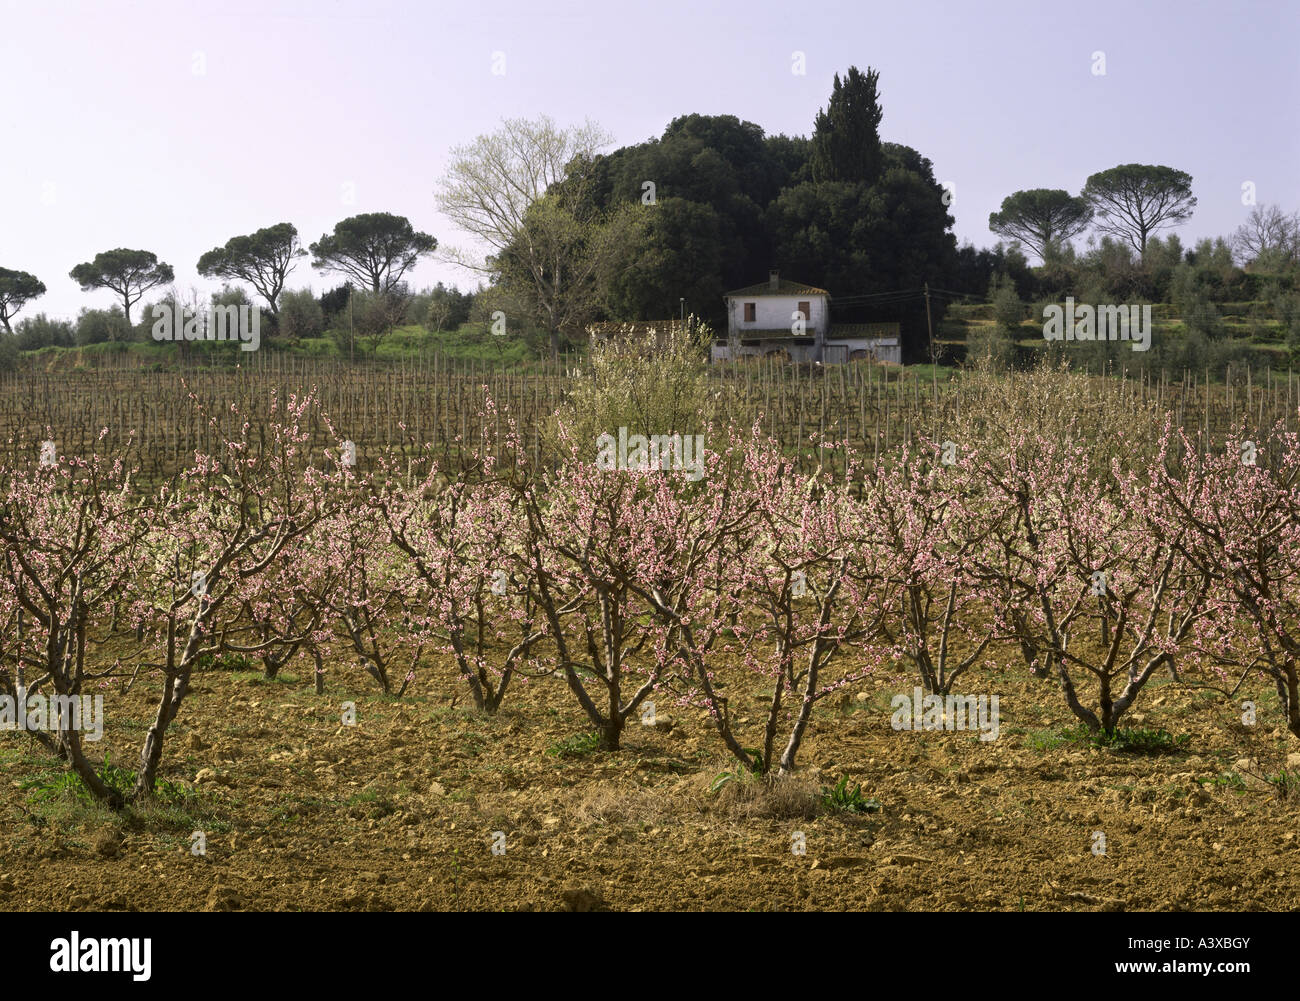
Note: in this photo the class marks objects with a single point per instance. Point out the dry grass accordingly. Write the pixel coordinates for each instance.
(771, 798)
(620, 805)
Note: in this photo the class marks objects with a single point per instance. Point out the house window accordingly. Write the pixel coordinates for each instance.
(751, 313)
(804, 309)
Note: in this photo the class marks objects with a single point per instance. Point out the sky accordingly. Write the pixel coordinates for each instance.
(173, 126)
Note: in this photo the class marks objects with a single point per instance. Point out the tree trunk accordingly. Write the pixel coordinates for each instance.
(174, 688)
(1108, 716)
(1292, 702)
(611, 733)
(1072, 699)
(151, 751)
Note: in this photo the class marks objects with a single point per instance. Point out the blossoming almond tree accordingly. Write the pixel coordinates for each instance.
(685, 573)
(596, 539)
(465, 540)
(1235, 516)
(72, 536)
(465, 545)
(937, 523)
(1099, 590)
(801, 586)
(375, 605)
(281, 615)
(226, 520)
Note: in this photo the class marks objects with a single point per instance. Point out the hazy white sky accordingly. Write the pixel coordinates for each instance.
(172, 126)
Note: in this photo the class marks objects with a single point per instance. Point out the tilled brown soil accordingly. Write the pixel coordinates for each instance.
(400, 811)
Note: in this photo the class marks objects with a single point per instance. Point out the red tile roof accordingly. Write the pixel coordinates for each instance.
(784, 287)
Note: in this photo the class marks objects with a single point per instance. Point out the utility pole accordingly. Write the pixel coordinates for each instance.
(928, 327)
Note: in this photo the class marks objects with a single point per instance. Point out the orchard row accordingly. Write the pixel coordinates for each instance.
(638, 583)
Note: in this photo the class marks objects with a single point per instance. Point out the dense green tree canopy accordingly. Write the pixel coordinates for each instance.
(700, 158)
(1041, 218)
(846, 135)
(301, 315)
(1134, 200)
(701, 190)
(559, 267)
(263, 259)
(129, 273)
(35, 332)
(17, 289)
(860, 240)
(447, 307)
(95, 326)
(375, 248)
(721, 203)
(682, 254)
(977, 268)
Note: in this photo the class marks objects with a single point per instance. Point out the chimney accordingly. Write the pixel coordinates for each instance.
(774, 280)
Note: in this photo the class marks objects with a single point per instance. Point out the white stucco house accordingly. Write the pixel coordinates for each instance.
(793, 320)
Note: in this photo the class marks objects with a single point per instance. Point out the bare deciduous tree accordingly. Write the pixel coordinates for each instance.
(521, 191)
(1268, 234)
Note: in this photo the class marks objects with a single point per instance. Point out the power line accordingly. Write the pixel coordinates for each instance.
(877, 302)
(957, 295)
(897, 293)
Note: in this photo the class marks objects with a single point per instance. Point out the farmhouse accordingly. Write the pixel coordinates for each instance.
(792, 320)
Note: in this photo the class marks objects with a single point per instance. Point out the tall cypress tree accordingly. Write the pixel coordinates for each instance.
(846, 135)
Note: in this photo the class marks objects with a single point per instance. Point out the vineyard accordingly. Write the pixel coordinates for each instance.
(1038, 631)
(871, 409)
